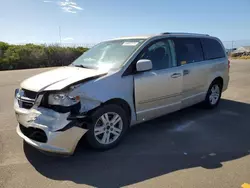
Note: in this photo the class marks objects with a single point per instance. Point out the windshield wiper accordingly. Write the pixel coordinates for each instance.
(83, 66)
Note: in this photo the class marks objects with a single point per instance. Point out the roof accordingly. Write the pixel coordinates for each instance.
(134, 37)
(165, 33)
(179, 33)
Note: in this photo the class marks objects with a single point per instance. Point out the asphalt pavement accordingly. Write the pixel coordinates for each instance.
(190, 148)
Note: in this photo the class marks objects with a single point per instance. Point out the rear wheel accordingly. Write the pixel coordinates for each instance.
(109, 124)
(213, 95)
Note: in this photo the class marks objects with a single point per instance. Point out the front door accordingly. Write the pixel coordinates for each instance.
(158, 91)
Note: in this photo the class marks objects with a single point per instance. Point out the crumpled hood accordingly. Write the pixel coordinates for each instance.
(59, 78)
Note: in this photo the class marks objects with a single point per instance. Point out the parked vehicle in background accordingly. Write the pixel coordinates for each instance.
(117, 84)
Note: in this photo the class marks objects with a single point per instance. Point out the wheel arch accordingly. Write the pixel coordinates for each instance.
(220, 80)
(122, 103)
(217, 76)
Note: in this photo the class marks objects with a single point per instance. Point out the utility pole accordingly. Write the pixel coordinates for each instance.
(60, 36)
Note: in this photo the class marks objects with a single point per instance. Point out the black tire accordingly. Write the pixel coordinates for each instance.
(207, 103)
(112, 108)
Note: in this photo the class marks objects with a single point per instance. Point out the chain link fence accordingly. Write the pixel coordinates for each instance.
(230, 44)
(73, 45)
(85, 45)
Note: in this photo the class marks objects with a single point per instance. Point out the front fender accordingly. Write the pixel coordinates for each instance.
(98, 91)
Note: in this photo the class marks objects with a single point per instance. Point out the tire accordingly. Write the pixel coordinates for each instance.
(212, 100)
(102, 124)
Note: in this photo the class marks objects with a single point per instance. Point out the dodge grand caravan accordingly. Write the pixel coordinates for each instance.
(117, 84)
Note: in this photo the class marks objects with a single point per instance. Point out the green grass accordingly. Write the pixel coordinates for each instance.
(241, 57)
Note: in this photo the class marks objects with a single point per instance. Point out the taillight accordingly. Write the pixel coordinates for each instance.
(229, 64)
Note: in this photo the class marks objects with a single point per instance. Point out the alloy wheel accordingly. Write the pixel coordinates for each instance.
(214, 94)
(108, 128)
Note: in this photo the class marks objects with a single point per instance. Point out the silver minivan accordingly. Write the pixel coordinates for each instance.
(117, 84)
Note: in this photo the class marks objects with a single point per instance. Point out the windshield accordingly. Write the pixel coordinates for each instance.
(108, 55)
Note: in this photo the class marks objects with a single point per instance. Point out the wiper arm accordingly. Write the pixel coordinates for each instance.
(83, 66)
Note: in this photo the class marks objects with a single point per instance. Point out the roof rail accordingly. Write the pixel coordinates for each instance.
(176, 33)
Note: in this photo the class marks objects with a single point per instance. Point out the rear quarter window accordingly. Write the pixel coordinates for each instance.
(188, 50)
(212, 49)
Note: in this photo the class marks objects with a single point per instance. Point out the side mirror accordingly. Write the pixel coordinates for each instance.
(144, 65)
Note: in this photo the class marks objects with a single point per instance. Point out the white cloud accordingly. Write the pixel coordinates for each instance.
(68, 39)
(67, 9)
(76, 7)
(66, 5)
(69, 6)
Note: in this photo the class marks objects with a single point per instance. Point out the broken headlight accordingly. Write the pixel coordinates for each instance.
(63, 99)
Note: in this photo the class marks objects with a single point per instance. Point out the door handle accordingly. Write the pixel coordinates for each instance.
(185, 72)
(176, 75)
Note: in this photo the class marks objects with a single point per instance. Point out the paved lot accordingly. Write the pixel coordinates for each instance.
(190, 148)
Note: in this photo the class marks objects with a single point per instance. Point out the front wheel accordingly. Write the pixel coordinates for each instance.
(109, 124)
(213, 95)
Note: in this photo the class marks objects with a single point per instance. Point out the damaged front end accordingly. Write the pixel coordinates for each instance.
(52, 121)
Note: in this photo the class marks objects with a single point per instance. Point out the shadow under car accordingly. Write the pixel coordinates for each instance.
(188, 138)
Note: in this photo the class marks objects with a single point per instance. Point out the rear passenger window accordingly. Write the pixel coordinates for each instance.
(212, 49)
(188, 50)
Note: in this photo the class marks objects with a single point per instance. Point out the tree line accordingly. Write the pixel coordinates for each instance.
(36, 56)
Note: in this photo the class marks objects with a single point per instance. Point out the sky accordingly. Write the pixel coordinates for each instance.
(92, 21)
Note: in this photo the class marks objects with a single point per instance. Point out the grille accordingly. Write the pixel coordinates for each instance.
(27, 98)
(34, 133)
(26, 105)
(29, 94)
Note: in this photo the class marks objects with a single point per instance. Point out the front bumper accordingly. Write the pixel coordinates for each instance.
(58, 142)
(51, 124)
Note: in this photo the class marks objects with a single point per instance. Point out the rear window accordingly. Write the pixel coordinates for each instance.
(212, 49)
(188, 50)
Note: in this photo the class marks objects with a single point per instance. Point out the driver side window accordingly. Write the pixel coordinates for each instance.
(160, 53)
